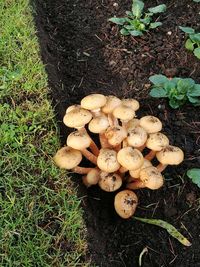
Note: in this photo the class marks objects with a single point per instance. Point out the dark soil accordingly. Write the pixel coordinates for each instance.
(83, 54)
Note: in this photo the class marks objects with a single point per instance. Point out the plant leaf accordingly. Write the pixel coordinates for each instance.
(123, 31)
(194, 175)
(158, 92)
(158, 79)
(186, 29)
(158, 9)
(195, 37)
(195, 91)
(154, 25)
(118, 21)
(137, 8)
(194, 100)
(146, 20)
(174, 103)
(167, 226)
(197, 1)
(197, 52)
(189, 45)
(136, 33)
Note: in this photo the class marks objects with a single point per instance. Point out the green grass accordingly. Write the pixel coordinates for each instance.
(41, 221)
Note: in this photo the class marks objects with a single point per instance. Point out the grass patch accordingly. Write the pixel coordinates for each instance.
(41, 221)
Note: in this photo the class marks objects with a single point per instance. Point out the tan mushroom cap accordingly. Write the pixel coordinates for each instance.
(151, 124)
(151, 177)
(137, 137)
(67, 158)
(107, 160)
(130, 158)
(93, 101)
(157, 141)
(70, 108)
(98, 124)
(132, 103)
(109, 182)
(123, 113)
(125, 203)
(170, 155)
(92, 177)
(115, 135)
(111, 103)
(77, 118)
(78, 140)
(136, 173)
(132, 124)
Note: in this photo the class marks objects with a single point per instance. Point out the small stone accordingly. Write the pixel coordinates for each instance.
(115, 5)
(169, 33)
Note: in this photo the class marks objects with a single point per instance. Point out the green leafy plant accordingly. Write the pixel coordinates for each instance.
(194, 175)
(136, 22)
(178, 90)
(193, 42)
(197, 1)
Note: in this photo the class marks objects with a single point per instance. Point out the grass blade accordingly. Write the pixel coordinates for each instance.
(170, 229)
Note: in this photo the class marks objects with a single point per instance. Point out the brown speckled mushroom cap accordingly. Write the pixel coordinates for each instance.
(170, 155)
(98, 124)
(136, 173)
(70, 108)
(132, 124)
(67, 158)
(123, 113)
(132, 103)
(109, 182)
(151, 124)
(93, 101)
(125, 203)
(111, 103)
(115, 135)
(151, 177)
(130, 158)
(107, 160)
(137, 137)
(157, 141)
(78, 140)
(77, 118)
(92, 177)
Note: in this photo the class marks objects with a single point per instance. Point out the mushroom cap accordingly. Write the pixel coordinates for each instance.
(98, 124)
(110, 182)
(77, 118)
(78, 140)
(115, 135)
(132, 124)
(107, 160)
(151, 124)
(92, 177)
(151, 177)
(130, 158)
(132, 103)
(157, 141)
(111, 103)
(125, 203)
(170, 155)
(137, 137)
(123, 113)
(67, 158)
(93, 101)
(136, 173)
(70, 108)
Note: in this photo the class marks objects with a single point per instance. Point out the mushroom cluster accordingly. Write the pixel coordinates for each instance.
(127, 147)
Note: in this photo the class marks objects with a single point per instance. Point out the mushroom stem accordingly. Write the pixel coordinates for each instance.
(91, 157)
(141, 148)
(136, 185)
(103, 141)
(112, 120)
(94, 148)
(150, 155)
(81, 170)
(125, 143)
(161, 167)
(123, 170)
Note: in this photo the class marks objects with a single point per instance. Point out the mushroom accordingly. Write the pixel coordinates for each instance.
(111, 103)
(132, 124)
(156, 142)
(115, 135)
(136, 173)
(81, 141)
(136, 137)
(91, 178)
(94, 102)
(107, 160)
(150, 177)
(124, 113)
(125, 203)
(132, 103)
(109, 182)
(78, 118)
(170, 155)
(130, 159)
(151, 124)
(69, 159)
(70, 108)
